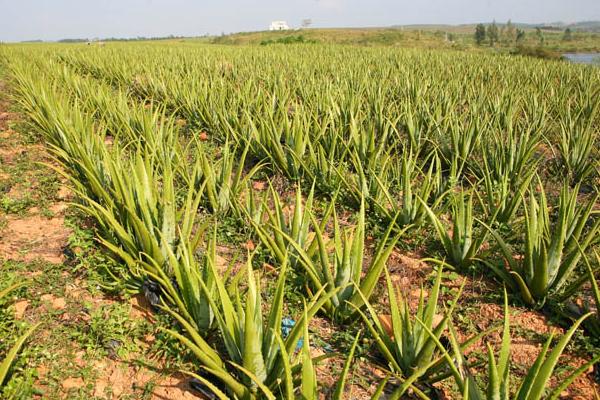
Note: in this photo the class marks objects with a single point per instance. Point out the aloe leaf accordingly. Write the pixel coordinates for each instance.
(340, 386)
(287, 369)
(538, 380)
(309, 379)
(215, 390)
(12, 353)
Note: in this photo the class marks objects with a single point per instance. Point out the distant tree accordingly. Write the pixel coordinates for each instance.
(540, 35)
(568, 35)
(479, 34)
(492, 33)
(509, 32)
(306, 22)
(520, 35)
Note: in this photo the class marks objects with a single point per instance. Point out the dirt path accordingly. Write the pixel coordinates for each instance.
(90, 344)
(33, 206)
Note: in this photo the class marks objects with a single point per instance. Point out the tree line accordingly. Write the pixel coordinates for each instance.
(508, 34)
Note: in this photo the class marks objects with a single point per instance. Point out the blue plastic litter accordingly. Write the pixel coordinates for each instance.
(287, 324)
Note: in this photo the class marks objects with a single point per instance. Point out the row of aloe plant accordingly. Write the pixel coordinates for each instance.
(554, 243)
(345, 127)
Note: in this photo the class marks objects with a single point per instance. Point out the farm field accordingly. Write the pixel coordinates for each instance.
(193, 220)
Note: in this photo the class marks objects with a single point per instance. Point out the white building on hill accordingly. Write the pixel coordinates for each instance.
(279, 26)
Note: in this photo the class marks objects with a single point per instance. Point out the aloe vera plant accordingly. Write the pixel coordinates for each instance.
(299, 377)
(140, 218)
(577, 143)
(280, 139)
(190, 283)
(498, 369)
(456, 153)
(250, 206)
(592, 324)
(283, 228)
(534, 385)
(324, 168)
(591, 305)
(552, 250)
(345, 273)
(461, 244)
(224, 182)
(257, 362)
(512, 153)
(414, 183)
(503, 195)
(12, 354)
(415, 128)
(409, 347)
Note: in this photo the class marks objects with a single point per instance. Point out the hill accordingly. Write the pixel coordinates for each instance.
(406, 37)
(458, 37)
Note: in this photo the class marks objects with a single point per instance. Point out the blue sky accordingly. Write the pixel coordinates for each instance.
(56, 19)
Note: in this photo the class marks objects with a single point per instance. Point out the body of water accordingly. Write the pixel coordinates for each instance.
(583, 58)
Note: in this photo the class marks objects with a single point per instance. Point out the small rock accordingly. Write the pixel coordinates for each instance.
(72, 383)
(259, 185)
(64, 192)
(221, 263)
(58, 208)
(59, 303)
(47, 297)
(150, 338)
(269, 268)
(20, 308)
(42, 371)
(79, 358)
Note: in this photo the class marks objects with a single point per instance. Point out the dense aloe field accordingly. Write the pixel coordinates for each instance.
(264, 197)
